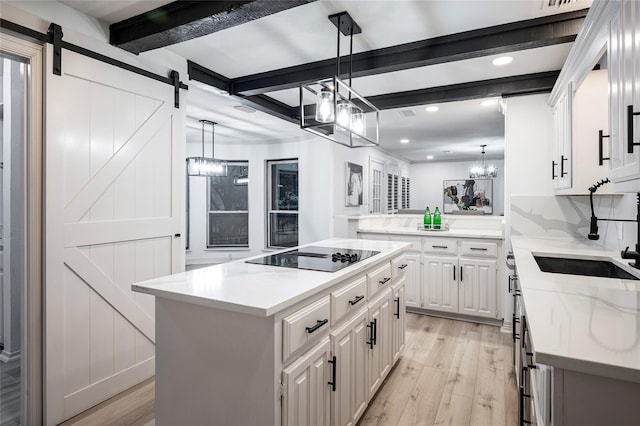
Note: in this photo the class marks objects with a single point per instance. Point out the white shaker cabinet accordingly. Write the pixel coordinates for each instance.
(413, 288)
(398, 319)
(440, 283)
(477, 287)
(349, 344)
(379, 340)
(624, 96)
(307, 397)
(561, 163)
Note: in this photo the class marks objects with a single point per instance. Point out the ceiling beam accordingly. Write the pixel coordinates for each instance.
(528, 34)
(504, 87)
(185, 20)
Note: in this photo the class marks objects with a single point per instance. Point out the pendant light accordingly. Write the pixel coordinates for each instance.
(336, 111)
(483, 171)
(206, 166)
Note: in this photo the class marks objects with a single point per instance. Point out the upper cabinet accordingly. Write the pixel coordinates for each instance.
(561, 169)
(624, 96)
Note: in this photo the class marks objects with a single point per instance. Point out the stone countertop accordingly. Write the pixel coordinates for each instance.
(262, 290)
(580, 323)
(451, 233)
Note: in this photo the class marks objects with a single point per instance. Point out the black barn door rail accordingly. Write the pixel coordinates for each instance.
(54, 36)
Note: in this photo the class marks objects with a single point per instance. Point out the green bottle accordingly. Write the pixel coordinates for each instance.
(437, 220)
(427, 218)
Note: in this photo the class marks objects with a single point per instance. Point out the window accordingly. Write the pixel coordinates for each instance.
(228, 204)
(392, 193)
(376, 185)
(406, 188)
(282, 220)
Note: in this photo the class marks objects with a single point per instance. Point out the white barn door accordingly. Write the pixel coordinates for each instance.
(114, 166)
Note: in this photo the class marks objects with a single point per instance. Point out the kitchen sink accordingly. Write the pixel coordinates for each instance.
(592, 268)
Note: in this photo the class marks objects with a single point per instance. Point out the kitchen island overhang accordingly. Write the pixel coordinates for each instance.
(232, 339)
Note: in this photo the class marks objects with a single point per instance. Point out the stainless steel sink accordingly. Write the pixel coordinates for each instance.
(592, 268)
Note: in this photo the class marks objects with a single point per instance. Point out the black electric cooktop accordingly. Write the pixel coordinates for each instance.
(315, 258)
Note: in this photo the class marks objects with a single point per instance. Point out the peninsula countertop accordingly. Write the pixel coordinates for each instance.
(493, 234)
(581, 323)
(262, 290)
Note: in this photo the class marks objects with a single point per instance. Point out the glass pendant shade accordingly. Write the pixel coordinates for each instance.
(325, 107)
(206, 166)
(358, 124)
(483, 171)
(343, 114)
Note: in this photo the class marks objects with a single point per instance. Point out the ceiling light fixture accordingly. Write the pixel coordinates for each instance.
(429, 157)
(206, 166)
(488, 102)
(432, 108)
(404, 140)
(483, 171)
(338, 112)
(502, 60)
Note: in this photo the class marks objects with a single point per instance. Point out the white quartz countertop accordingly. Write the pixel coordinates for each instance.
(262, 290)
(452, 233)
(581, 323)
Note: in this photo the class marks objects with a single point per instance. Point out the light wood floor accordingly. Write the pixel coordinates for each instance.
(451, 373)
(10, 393)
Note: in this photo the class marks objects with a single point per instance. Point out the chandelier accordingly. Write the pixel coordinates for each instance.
(206, 166)
(334, 110)
(483, 171)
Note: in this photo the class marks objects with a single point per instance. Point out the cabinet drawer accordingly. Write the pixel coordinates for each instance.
(398, 267)
(348, 299)
(416, 242)
(379, 278)
(305, 325)
(483, 249)
(446, 246)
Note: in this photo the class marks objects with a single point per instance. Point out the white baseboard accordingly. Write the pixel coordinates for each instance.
(9, 356)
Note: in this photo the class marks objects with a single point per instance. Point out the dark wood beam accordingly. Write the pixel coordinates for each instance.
(185, 20)
(529, 34)
(505, 87)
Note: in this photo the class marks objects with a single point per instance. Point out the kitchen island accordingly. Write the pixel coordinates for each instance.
(248, 344)
(578, 346)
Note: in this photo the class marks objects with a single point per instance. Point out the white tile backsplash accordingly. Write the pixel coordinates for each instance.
(569, 217)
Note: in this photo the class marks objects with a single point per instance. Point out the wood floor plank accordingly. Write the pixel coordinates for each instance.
(510, 386)
(456, 411)
(425, 397)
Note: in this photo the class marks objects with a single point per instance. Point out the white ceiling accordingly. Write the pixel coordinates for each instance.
(304, 34)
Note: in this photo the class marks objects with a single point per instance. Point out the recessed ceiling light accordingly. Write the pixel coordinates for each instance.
(502, 60)
(404, 140)
(429, 157)
(488, 102)
(432, 108)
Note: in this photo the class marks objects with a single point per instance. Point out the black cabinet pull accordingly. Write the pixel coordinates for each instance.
(356, 300)
(176, 235)
(521, 410)
(375, 331)
(372, 339)
(460, 273)
(515, 336)
(478, 248)
(562, 160)
(384, 280)
(601, 136)
(397, 314)
(454, 273)
(442, 247)
(319, 324)
(630, 142)
(510, 278)
(402, 266)
(334, 364)
(553, 170)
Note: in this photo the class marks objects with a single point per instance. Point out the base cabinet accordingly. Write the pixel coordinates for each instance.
(399, 319)
(478, 291)
(379, 340)
(413, 273)
(306, 395)
(440, 283)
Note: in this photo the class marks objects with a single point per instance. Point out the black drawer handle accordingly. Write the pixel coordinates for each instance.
(397, 313)
(372, 326)
(356, 300)
(553, 170)
(402, 266)
(334, 364)
(319, 324)
(630, 142)
(478, 248)
(562, 160)
(442, 247)
(601, 136)
(384, 280)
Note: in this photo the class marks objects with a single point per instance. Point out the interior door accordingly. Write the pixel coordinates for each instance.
(114, 173)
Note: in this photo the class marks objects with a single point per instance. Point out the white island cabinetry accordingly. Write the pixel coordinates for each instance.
(249, 344)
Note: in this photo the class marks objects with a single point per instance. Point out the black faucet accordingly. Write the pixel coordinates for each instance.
(593, 229)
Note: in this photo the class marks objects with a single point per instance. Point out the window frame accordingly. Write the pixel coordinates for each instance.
(269, 207)
(209, 212)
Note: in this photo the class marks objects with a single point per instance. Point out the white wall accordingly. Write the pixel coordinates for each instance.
(315, 195)
(427, 185)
